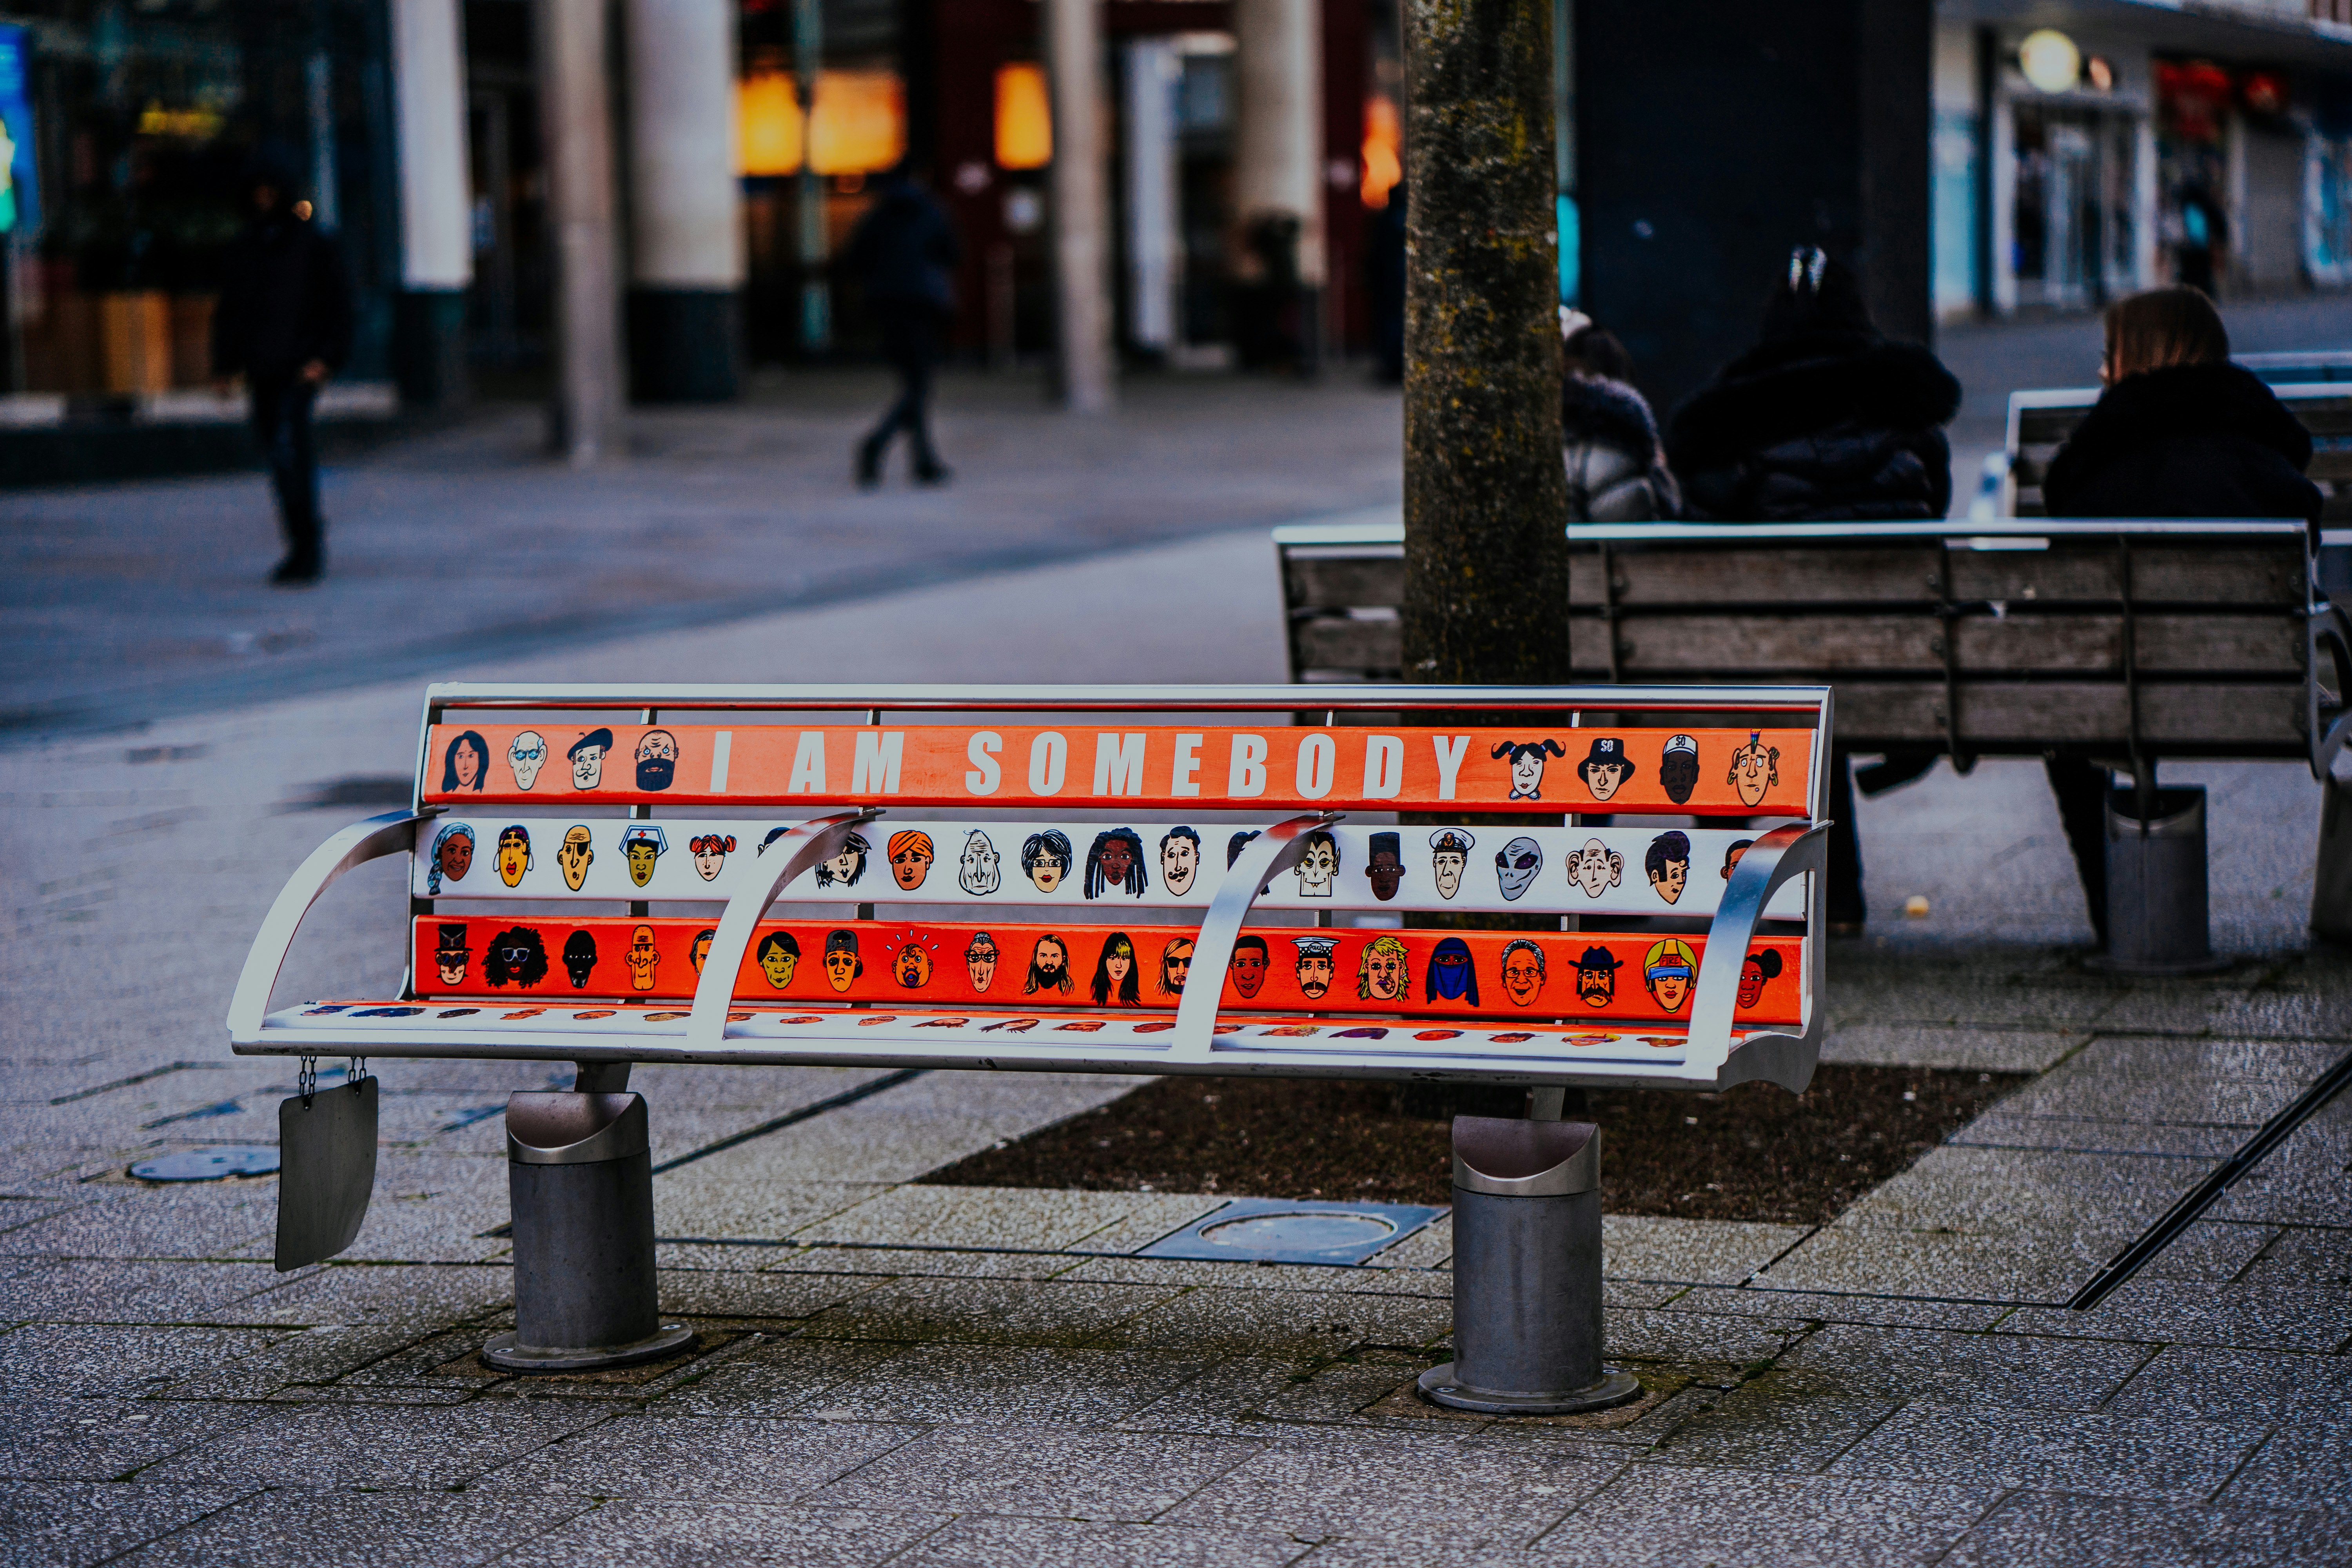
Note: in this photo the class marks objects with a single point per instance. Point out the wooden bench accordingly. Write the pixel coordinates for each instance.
(2299, 366)
(2039, 422)
(2113, 640)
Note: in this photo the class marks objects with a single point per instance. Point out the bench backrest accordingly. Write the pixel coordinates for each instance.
(2040, 421)
(2109, 639)
(998, 870)
(2299, 366)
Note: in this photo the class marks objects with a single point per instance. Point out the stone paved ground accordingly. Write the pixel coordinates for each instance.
(933, 1376)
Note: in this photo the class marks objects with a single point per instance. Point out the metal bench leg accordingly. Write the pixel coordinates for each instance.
(1526, 1272)
(580, 1167)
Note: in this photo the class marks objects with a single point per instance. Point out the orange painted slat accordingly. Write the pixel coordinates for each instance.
(1493, 974)
(1703, 772)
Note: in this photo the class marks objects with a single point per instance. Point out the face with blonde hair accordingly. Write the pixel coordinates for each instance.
(2160, 328)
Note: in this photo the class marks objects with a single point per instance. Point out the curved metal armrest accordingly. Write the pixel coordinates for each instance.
(1774, 859)
(1262, 859)
(817, 839)
(389, 834)
(2330, 628)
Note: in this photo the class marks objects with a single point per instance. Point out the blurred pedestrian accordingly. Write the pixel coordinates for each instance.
(1385, 280)
(1825, 419)
(1616, 467)
(2178, 432)
(2204, 240)
(905, 250)
(284, 323)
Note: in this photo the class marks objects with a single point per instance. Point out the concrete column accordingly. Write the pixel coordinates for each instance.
(685, 218)
(1081, 205)
(575, 114)
(436, 261)
(1278, 150)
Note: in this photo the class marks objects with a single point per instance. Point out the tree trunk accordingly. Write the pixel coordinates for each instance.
(1485, 498)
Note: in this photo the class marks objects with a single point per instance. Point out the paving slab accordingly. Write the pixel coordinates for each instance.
(699, 1458)
(774, 1377)
(414, 1297)
(2078, 1532)
(706, 1294)
(1730, 1519)
(1992, 1190)
(1094, 1475)
(2039, 1264)
(113, 1291)
(1777, 1421)
(2094, 1135)
(1972, 1369)
(1348, 1280)
(700, 1201)
(990, 1543)
(2304, 1255)
(88, 1440)
(2236, 1386)
(2253, 1316)
(1971, 1049)
(1891, 1312)
(625, 1533)
(1691, 1251)
(79, 1524)
(1298, 1324)
(2177, 1458)
(1003, 1386)
(2306, 1464)
(313, 1357)
(988, 1311)
(89, 1360)
(943, 1261)
(214, 1221)
(386, 1446)
(1029, 1219)
(342, 1529)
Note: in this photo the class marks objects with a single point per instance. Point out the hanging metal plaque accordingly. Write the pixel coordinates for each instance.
(326, 1144)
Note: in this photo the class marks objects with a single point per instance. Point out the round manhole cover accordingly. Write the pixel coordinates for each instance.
(1299, 1233)
(209, 1165)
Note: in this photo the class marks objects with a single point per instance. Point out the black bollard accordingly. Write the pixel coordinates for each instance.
(580, 1168)
(1526, 1272)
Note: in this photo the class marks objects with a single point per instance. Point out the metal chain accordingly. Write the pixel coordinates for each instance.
(358, 1071)
(306, 1082)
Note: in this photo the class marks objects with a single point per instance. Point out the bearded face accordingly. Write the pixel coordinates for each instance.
(656, 760)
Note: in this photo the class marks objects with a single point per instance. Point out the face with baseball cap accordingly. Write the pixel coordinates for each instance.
(1678, 768)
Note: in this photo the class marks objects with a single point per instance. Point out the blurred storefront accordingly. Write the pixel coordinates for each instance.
(2087, 148)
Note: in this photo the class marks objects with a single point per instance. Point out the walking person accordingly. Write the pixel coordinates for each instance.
(1825, 419)
(2178, 432)
(284, 323)
(905, 250)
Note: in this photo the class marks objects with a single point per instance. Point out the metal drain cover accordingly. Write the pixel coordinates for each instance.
(209, 1165)
(1270, 1230)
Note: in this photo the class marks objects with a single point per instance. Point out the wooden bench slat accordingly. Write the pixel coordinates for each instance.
(1344, 584)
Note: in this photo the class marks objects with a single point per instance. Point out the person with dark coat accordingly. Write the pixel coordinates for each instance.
(284, 323)
(1824, 420)
(905, 250)
(1616, 467)
(2178, 432)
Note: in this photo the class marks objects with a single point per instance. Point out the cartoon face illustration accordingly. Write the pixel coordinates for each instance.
(976, 870)
(1528, 764)
(580, 958)
(1596, 976)
(1449, 853)
(1450, 976)
(1596, 867)
(1731, 857)
(910, 966)
(1247, 965)
(525, 754)
(514, 853)
(1175, 966)
(1314, 966)
(1667, 864)
(1384, 971)
(779, 954)
(449, 958)
(573, 856)
(1523, 972)
(1115, 978)
(979, 960)
(847, 866)
(711, 851)
(1049, 967)
(1759, 968)
(842, 963)
(1668, 969)
(641, 959)
(1678, 768)
(911, 855)
(1755, 769)
(656, 760)
(515, 954)
(1180, 859)
(467, 764)
(698, 949)
(1115, 859)
(1605, 767)
(1516, 865)
(1045, 859)
(1318, 868)
(587, 758)
(645, 844)
(1385, 869)
(452, 856)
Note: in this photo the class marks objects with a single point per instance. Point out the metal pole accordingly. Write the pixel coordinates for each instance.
(1073, 56)
(816, 292)
(576, 113)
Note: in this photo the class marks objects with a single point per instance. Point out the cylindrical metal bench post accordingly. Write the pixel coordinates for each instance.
(1526, 1272)
(579, 1169)
(2157, 913)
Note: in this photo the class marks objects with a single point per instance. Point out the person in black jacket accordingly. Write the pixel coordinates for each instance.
(1824, 420)
(1616, 469)
(905, 250)
(2179, 432)
(284, 323)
